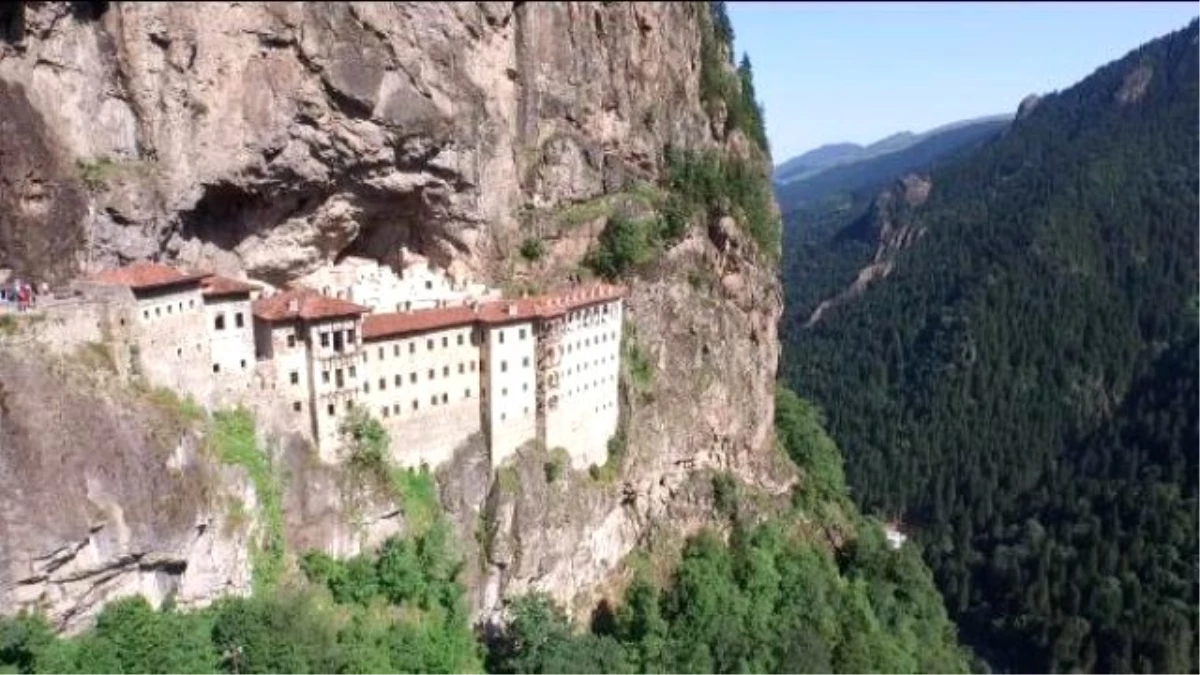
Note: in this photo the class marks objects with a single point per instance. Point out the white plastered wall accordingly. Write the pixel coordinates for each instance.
(424, 388)
(585, 416)
(510, 387)
(336, 376)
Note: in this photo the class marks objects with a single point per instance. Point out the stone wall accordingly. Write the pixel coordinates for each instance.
(171, 332)
(287, 354)
(231, 336)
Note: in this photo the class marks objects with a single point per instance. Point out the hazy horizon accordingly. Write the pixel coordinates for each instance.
(859, 72)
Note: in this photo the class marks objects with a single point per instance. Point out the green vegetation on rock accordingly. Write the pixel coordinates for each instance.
(415, 490)
(771, 599)
(232, 437)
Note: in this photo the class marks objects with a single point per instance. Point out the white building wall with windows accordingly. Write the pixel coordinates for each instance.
(285, 350)
(511, 387)
(417, 287)
(335, 377)
(231, 347)
(425, 389)
(585, 411)
(173, 341)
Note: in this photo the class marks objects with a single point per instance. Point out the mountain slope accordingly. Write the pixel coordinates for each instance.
(990, 390)
(833, 219)
(825, 157)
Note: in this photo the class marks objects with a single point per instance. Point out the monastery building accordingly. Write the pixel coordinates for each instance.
(436, 362)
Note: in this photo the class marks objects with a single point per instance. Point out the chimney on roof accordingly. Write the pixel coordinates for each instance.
(293, 305)
(512, 309)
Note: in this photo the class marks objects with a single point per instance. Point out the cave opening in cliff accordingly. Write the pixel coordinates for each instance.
(12, 22)
(407, 222)
(226, 214)
(342, 222)
(89, 10)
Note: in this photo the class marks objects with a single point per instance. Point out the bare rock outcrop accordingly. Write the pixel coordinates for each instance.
(104, 495)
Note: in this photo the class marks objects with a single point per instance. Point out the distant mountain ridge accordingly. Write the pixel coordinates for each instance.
(836, 154)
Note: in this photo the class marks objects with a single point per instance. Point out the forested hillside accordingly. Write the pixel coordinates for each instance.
(1022, 388)
(827, 214)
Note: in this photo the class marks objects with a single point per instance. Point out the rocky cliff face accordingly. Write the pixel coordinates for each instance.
(274, 138)
(888, 226)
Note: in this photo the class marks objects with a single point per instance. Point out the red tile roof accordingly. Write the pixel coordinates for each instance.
(143, 275)
(304, 303)
(214, 286)
(377, 326)
(402, 323)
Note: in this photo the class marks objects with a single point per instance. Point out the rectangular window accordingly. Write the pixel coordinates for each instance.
(382, 383)
(350, 338)
(472, 365)
(239, 321)
(325, 339)
(467, 394)
(525, 362)
(220, 323)
(337, 378)
(504, 366)
(431, 373)
(381, 353)
(416, 404)
(412, 347)
(521, 334)
(429, 344)
(445, 371)
(445, 341)
(384, 411)
(399, 380)
(325, 376)
(395, 408)
(500, 337)
(294, 377)
(445, 398)
(412, 377)
(462, 368)
(216, 367)
(364, 357)
(433, 399)
(145, 314)
(332, 412)
(460, 339)
(353, 371)
(396, 350)
(296, 406)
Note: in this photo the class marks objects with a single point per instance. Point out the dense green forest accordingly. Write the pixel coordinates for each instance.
(775, 596)
(1022, 389)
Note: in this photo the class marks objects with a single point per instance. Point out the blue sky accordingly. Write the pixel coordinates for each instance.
(832, 72)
